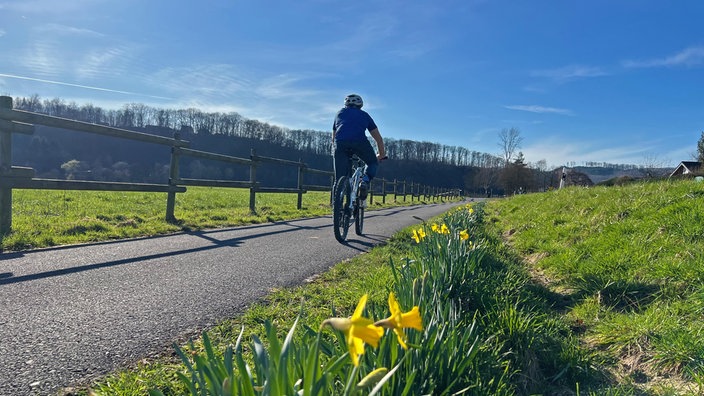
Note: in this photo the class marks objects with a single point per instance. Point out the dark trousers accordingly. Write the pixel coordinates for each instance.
(364, 150)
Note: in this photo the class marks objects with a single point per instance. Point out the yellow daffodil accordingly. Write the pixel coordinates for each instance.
(418, 234)
(464, 235)
(358, 330)
(400, 320)
(435, 228)
(444, 229)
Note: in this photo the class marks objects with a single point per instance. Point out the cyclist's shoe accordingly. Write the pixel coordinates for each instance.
(363, 190)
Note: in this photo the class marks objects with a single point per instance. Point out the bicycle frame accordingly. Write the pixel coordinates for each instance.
(357, 174)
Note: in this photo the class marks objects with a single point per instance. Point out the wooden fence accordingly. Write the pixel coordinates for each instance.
(16, 177)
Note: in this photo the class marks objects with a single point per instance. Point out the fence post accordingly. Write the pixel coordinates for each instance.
(404, 191)
(332, 189)
(301, 166)
(383, 190)
(173, 178)
(5, 167)
(253, 180)
(371, 192)
(395, 189)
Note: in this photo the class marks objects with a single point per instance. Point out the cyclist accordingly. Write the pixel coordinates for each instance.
(349, 137)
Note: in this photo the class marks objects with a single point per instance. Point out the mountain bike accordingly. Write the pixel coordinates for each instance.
(347, 207)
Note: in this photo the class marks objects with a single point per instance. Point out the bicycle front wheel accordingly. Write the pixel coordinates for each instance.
(358, 218)
(340, 208)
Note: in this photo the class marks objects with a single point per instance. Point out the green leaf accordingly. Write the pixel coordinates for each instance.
(246, 382)
(283, 371)
(387, 377)
(261, 358)
(310, 376)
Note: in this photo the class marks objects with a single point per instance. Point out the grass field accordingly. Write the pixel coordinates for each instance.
(44, 218)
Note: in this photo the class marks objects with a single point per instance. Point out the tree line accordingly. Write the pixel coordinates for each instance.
(137, 115)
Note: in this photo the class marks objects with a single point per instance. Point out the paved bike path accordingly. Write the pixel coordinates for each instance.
(69, 314)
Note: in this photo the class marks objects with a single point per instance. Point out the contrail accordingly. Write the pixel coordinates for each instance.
(81, 86)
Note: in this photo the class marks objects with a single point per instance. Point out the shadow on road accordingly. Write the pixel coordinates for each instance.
(362, 245)
(367, 241)
(209, 235)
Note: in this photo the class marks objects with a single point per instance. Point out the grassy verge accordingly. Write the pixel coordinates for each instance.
(51, 218)
(625, 267)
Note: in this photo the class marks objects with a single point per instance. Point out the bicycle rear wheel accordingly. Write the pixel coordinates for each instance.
(358, 217)
(340, 209)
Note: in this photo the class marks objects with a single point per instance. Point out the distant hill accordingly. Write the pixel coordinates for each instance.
(598, 174)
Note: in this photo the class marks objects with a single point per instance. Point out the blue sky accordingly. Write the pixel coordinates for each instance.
(619, 81)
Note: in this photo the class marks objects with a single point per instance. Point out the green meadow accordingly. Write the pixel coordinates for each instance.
(45, 218)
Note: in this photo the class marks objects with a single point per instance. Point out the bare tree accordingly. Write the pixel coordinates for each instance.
(651, 165)
(509, 141)
(651, 161)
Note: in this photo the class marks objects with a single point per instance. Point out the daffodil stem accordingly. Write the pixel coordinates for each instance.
(350, 389)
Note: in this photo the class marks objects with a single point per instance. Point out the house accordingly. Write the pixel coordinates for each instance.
(687, 168)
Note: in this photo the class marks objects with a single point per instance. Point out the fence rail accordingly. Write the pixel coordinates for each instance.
(16, 177)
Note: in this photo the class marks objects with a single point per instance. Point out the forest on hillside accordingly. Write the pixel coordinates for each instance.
(62, 154)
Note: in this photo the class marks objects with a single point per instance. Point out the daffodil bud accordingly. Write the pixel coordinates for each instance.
(340, 324)
(372, 378)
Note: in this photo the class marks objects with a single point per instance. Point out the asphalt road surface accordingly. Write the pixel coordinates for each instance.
(73, 313)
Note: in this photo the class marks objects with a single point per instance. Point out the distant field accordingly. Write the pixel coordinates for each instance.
(43, 218)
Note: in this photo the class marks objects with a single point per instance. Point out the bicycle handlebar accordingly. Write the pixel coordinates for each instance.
(354, 157)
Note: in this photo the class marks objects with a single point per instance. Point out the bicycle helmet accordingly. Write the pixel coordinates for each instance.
(354, 100)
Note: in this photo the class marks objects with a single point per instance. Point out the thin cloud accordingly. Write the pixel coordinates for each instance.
(568, 73)
(103, 62)
(59, 29)
(540, 109)
(42, 58)
(79, 86)
(215, 81)
(690, 57)
(280, 99)
(48, 6)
